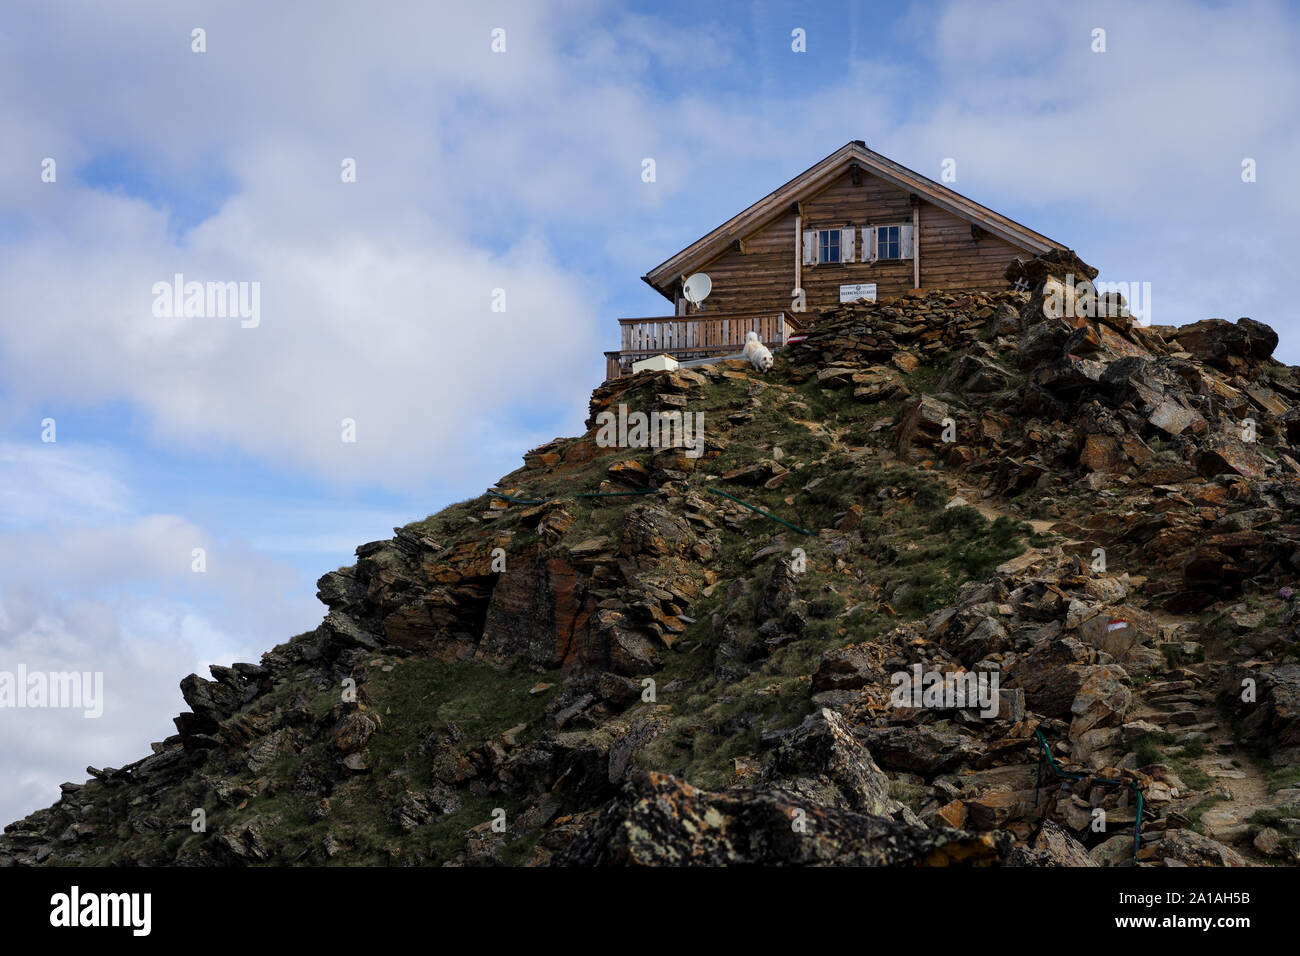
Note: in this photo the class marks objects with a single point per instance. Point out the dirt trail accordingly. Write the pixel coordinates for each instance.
(1234, 775)
(1234, 772)
(989, 509)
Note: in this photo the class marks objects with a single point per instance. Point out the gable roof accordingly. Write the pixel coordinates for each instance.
(664, 276)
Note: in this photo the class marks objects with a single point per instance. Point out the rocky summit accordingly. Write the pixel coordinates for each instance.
(964, 579)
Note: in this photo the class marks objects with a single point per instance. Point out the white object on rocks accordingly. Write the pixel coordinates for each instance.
(756, 353)
(656, 363)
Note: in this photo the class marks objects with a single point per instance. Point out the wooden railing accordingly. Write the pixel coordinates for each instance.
(701, 335)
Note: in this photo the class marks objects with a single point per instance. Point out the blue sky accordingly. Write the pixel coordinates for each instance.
(477, 171)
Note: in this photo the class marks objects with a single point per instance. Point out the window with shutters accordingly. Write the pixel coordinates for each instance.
(889, 244)
(828, 245)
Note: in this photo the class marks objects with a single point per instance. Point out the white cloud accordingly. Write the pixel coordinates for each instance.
(375, 296)
(398, 336)
(118, 595)
(44, 481)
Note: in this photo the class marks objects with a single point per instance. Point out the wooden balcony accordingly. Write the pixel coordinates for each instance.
(702, 335)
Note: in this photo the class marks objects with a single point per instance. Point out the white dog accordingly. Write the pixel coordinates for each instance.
(758, 354)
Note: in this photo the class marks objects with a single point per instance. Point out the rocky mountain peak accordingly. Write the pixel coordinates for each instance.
(953, 583)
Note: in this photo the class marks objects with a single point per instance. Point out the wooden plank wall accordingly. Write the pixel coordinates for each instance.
(951, 259)
(760, 277)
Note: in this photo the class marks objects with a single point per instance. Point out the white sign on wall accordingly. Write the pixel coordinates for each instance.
(862, 290)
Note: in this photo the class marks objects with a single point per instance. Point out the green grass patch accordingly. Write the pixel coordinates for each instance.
(1192, 775)
(1147, 748)
(1198, 809)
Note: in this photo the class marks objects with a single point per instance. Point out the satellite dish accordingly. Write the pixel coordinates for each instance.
(697, 288)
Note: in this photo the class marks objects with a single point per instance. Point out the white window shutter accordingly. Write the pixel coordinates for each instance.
(809, 247)
(905, 241)
(868, 243)
(846, 244)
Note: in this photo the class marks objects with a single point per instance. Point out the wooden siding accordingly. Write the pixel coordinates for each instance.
(762, 276)
(815, 180)
(951, 259)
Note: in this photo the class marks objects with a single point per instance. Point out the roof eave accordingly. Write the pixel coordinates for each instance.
(671, 265)
(662, 292)
(702, 249)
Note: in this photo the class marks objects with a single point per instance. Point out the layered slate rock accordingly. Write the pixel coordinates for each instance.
(659, 820)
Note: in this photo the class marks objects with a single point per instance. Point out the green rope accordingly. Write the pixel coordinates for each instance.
(585, 494)
(650, 491)
(1072, 775)
(765, 514)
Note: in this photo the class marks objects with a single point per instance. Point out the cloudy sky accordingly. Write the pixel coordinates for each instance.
(479, 171)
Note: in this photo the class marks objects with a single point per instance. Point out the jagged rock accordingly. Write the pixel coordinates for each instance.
(354, 730)
(1042, 342)
(1271, 713)
(1173, 418)
(1116, 629)
(1061, 848)
(538, 611)
(975, 373)
(245, 842)
(210, 702)
(1054, 262)
(821, 761)
(1113, 851)
(652, 532)
(340, 589)
(1268, 842)
(342, 631)
(1189, 848)
(877, 384)
(659, 820)
(1222, 344)
(781, 591)
(1051, 675)
(758, 473)
(1102, 700)
(993, 809)
(1221, 455)
(1103, 453)
(924, 750)
(420, 807)
(922, 423)
(848, 668)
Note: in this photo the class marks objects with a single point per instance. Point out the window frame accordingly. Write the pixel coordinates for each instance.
(896, 243)
(829, 242)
